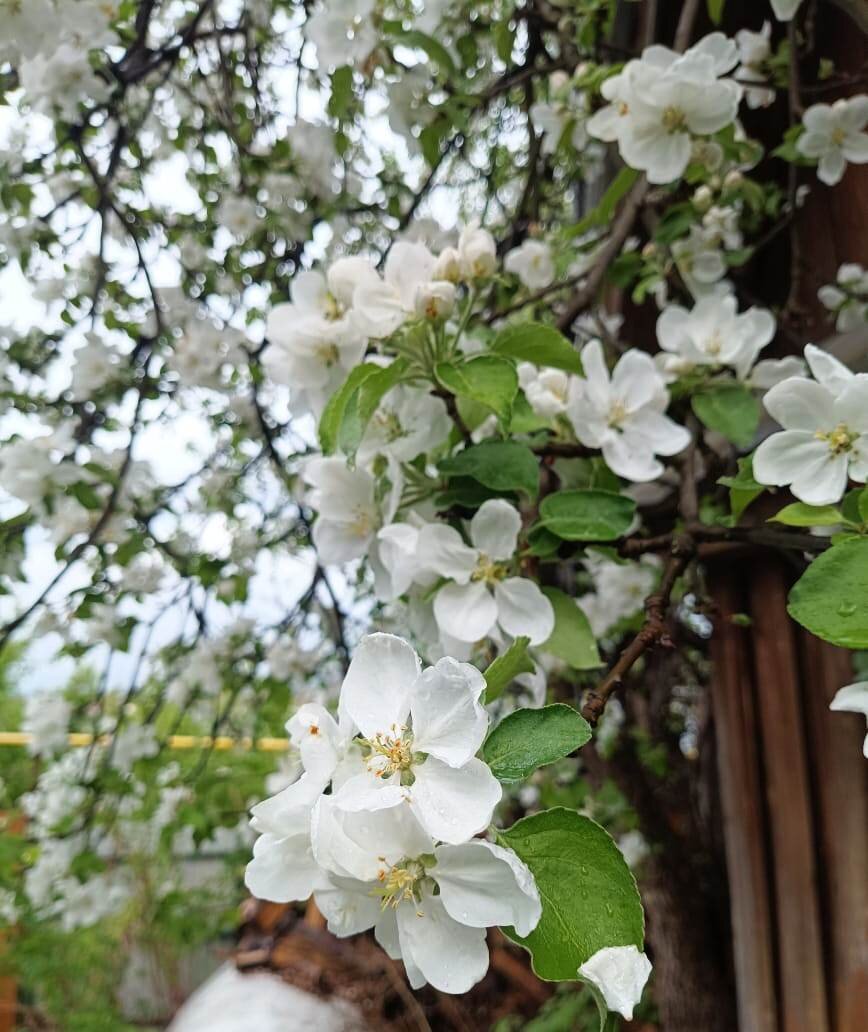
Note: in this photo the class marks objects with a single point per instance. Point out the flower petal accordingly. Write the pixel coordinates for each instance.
(376, 690)
(620, 973)
(449, 955)
(313, 731)
(454, 804)
(348, 906)
(799, 404)
(282, 870)
(484, 885)
(466, 611)
(442, 551)
(495, 527)
(449, 721)
(523, 609)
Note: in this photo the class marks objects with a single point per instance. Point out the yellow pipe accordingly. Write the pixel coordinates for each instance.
(222, 742)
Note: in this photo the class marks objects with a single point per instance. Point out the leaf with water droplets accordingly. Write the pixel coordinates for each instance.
(831, 597)
(589, 897)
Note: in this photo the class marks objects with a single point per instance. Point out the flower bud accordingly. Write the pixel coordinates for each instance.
(435, 300)
(477, 253)
(733, 178)
(448, 266)
(702, 198)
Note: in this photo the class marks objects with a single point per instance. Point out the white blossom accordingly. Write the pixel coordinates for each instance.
(421, 730)
(834, 135)
(660, 102)
(532, 263)
(824, 441)
(623, 414)
(546, 389)
(409, 289)
(847, 297)
(754, 49)
(408, 422)
(620, 974)
(713, 333)
(349, 514)
(481, 593)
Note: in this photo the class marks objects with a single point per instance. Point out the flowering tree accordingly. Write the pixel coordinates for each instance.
(397, 369)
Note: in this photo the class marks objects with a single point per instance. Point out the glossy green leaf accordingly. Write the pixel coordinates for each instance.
(500, 465)
(531, 738)
(731, 410)
(587, 515)
(488, 380)
(572, 640)
(800, 515)
(538, 343)
(830, 599)
(589, 897)
(507, 667)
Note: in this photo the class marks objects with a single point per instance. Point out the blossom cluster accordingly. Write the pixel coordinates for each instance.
(392, 845)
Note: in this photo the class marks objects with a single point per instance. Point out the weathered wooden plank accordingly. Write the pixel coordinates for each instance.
(801, 972)
(743, 804)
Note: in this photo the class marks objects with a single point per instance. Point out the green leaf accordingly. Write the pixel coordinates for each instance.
(589, 897)
(531, 738)
(489, 380)
(524, 420)
(831, 597)
(86, 495)
(333, 413)
(506, 667)
(800, 515)
(572, 640)
(542, 542)
(743, 488)
(715, 10)
(602, 214)
(538, 343)
(587, 515)
(342, 92)
(731, 410)
(500, 465)
(467, 493)
(349, 410)
(862, 502)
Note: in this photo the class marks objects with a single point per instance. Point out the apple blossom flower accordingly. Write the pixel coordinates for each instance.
(619, 973)
(545, 389)
(532, 263)
(480, 593)
(847, 297)
(623, 414)
(476, 253)
(428, 904)
(408, 422)
(313, 339)
(408, 290)
(853, 699)
(430, 907)
(660, 102)
(712, 333)
(421, 730)
(825, 437)
(835, 134)
(754, 49)
(348, 511)
(620, 589)
(283, 868)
